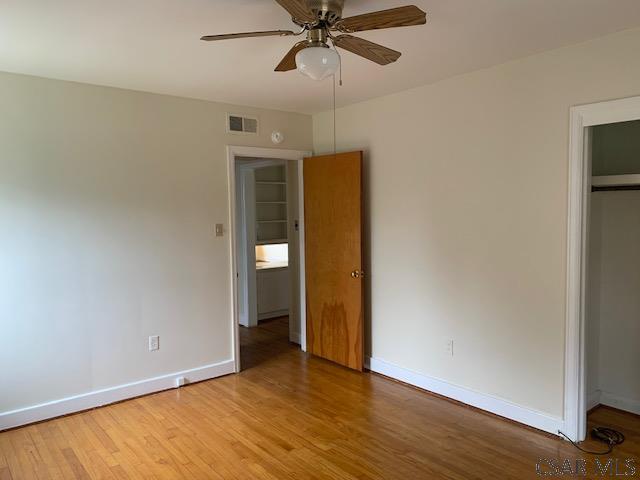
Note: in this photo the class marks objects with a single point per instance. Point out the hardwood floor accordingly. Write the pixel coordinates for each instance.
(290, 416)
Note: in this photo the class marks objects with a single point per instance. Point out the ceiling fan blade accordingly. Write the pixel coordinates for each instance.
(289, 60)
(395, 17)
(228, 36)
(369, 50)
(299, 10)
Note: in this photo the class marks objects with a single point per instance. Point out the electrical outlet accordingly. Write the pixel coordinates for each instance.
(450, 347)
(154, 343)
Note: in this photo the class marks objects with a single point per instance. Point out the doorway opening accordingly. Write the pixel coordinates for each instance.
(267, 237)
(603, 265)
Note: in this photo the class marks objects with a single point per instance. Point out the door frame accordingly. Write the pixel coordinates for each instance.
(233, 152)
(581, 118)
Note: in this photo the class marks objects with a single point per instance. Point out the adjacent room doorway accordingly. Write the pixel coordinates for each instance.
(297, 255)
(266, 236)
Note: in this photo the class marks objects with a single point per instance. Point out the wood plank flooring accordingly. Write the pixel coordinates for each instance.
(290, 416)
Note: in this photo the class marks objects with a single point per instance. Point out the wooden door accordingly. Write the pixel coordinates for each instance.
(333, 257)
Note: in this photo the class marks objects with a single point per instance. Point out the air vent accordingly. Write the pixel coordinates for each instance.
(240, 124)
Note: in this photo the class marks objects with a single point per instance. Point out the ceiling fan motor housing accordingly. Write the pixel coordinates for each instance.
(329, 11)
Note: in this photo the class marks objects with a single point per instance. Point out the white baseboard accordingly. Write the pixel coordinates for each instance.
(85, 401)
(594, 399)
(274, 314)
(498, 406)
(615, 401)
(294, 337)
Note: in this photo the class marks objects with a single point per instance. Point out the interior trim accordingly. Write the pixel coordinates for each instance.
(99, 398)
(483, 401)
(621, 403)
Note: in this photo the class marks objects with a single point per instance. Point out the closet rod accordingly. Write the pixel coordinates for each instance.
(615, 188)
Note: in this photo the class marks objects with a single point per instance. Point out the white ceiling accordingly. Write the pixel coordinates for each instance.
(153, 45)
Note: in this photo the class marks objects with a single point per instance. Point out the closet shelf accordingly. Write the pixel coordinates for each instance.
(615, 180)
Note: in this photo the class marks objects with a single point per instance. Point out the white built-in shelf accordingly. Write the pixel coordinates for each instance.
(615, 180)
(271, 204)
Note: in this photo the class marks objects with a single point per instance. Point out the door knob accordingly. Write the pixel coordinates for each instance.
(357, 274)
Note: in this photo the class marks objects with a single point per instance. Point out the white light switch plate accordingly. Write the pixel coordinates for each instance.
(154, 343)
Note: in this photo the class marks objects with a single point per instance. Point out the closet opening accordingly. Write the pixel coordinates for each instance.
(612, 293)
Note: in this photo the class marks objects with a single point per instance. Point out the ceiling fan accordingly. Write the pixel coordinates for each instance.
(320, 19)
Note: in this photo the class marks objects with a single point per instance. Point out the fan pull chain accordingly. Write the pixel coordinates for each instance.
(335, 151)
(339, 62)
(334, 116)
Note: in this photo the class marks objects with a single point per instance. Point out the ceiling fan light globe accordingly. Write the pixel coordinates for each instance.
(317, 63)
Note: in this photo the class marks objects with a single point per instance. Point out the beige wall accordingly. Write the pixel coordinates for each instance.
(467, 199)
(613, 365)
(108, 200)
